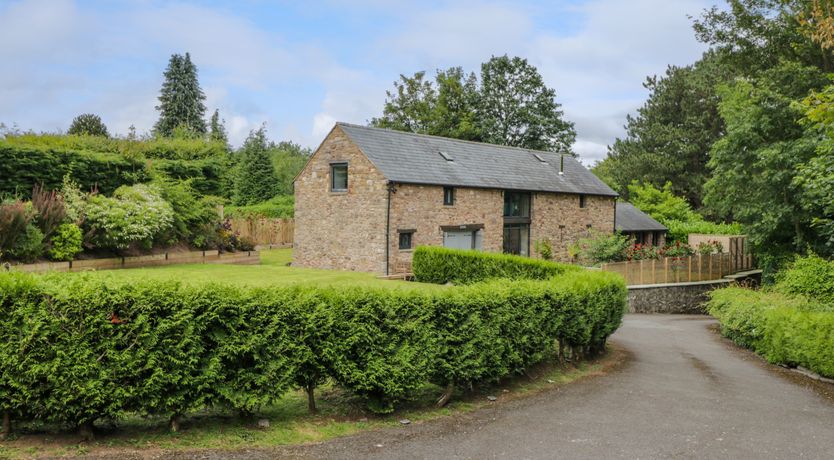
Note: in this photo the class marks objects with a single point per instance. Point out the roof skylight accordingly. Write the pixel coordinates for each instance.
(445, 155)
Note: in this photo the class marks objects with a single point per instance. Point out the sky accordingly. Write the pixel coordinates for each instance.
(299, 67)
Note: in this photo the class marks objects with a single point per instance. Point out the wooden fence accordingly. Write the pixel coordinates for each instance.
(272, 232)
(681, 269)
(154, 260)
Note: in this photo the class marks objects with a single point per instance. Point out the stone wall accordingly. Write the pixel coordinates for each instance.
(558, 217)
(340, 230)
(688, 298)
(421, 208)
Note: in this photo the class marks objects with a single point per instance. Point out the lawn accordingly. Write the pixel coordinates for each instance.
(273, 270)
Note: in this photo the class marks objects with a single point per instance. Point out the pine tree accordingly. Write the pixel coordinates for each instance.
(217, 128)
(181, 99)
(256, 180)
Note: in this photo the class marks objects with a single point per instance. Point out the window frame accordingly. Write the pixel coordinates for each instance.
(410, 232)
(582, 201)
(449, 192)
(333, 166)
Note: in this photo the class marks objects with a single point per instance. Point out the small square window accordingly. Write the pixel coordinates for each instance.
(406, 239)
(448, 196)
(339, 177)
(581, 201)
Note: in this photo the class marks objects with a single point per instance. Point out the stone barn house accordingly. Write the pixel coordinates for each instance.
(368, 196)
(639, 226)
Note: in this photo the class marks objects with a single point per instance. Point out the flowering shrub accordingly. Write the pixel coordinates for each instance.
(678, 250)
(643, 252)
(133, 215)
(706, 248)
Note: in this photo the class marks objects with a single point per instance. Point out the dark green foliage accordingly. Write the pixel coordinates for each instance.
(21, 167)
(281, 206)
(255, 179)
(602, 248)
(193, 214)
(208, 176)
(289, 159)
(181, 98)
(65, 242)
(217, 128)
(511, 106)
(88, 124)
(439, 265)
(28, 246)
(78, 348)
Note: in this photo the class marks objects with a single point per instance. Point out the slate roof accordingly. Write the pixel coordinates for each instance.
(631, 219)
(417, 159)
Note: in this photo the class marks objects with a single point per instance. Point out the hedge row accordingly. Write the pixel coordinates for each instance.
(23, 167)
(77, 349)
(785, 329)
(440, 265)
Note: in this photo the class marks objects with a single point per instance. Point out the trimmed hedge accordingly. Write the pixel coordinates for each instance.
(784, 329)
(23, 167)
(440, 265)
(77, 349)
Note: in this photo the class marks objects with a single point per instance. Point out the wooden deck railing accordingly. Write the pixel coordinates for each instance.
(681, 269)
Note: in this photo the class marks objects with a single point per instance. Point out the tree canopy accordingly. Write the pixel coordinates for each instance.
(88, 124)
(181, 100)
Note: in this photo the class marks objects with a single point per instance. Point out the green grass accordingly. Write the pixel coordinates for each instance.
(340, 414)
(272, 271)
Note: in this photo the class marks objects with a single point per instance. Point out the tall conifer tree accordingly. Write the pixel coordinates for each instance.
(181, 98)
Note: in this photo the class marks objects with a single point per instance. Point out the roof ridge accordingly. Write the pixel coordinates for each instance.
(432, 136)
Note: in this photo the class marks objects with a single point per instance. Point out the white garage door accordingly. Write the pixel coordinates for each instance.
(464, 239)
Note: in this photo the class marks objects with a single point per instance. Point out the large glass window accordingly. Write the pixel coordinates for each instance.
(517, 239)
(339, 177)
(516, 204)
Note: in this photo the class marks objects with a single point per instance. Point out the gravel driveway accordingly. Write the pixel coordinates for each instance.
(687, 393)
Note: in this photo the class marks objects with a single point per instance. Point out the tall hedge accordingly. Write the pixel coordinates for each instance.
(23, 167)
(440, 265)
(76, 349)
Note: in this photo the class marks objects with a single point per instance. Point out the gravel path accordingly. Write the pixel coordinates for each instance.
(687, 393)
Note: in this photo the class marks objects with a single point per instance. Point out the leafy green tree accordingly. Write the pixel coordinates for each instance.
(756, 162)
(181, 98)
(288, 158)
(255, 179)
(446, 107)
(661, 204)
(88, 124)
(670, 137)
(517, 109)
(217, 128)
(511, 106)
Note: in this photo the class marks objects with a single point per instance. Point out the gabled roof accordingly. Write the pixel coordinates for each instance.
(631, 219)
(421, 159)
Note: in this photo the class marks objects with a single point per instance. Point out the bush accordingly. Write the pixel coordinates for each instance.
(193, 216)
(21, 167)
(602, 248)
(15, 216)
(282, 206)
(66, 242)
(79, 348)
(50, 208)
(442, 265)
(680, 230)
(784, 329)
(28, 246)
(134, 215)
(810, 276)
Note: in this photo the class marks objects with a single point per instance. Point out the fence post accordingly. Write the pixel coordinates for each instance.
(665, 269)
(641, 271)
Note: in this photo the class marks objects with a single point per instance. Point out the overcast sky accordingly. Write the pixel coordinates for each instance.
(301, 66)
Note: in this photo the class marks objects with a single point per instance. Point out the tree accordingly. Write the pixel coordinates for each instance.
(217, 128)
(181, 99)
(670, 137)
(510, 106)
(756, 162)
(288, 158)
(517, 109)
(88, 124)
(255, 179)
(661, 204)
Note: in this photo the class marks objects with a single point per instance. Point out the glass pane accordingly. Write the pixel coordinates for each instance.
(339, 177)
(516, 204)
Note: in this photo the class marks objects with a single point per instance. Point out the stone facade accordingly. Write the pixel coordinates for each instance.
(559, 218)
(347, 230)
(340, 230)
(421, 208)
